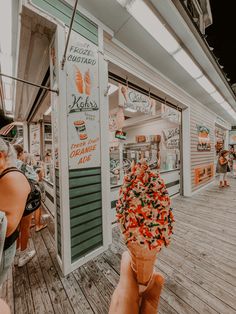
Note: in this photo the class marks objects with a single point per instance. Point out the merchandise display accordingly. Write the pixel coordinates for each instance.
(145, 217)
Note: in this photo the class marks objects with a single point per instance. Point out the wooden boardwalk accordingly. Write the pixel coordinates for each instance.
(199, 266)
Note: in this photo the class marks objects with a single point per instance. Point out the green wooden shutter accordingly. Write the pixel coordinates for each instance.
(63, 12)
(85, 211)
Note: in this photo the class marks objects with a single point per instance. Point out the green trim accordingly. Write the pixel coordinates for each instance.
(63, 12)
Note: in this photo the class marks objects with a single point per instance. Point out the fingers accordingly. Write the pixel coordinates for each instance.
(151, 297)
(125, 299)
(127, 275)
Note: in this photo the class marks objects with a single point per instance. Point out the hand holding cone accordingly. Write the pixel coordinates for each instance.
(145, 217)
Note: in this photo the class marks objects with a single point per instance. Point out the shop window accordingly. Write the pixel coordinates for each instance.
(141, 127)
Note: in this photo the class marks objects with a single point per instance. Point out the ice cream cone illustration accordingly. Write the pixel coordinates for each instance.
(79, 81)
(87, 81)
(145, 217)
(124, 92)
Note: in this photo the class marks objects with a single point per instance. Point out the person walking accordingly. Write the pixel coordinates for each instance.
(14, 192)
(223, 168)
(24, 254)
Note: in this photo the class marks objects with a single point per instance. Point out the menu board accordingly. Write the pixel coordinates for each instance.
(83, 103)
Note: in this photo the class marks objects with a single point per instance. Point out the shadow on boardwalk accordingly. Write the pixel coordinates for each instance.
(199, 266)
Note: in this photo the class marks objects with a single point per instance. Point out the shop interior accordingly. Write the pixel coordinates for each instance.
(40, 142)
(141, 126)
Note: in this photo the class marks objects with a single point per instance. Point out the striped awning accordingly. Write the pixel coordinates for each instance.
(7, 128)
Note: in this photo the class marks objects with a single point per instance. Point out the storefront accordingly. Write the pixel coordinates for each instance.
(141, 125)
(112, 108)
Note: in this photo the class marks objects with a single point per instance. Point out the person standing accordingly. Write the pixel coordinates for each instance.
(14, 192)
(23, 254)
(223, 168)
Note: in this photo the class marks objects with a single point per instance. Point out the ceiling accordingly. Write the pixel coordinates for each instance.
(133, 35)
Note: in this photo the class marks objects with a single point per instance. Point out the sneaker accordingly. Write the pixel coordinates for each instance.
(26, 258)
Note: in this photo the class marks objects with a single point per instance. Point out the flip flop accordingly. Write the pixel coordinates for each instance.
(37, 229)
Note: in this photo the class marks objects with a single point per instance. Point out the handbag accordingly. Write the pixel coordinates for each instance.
(228, 168)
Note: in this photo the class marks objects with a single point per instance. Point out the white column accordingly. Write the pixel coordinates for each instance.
(63, 156)
(104, 127)
(186, 154)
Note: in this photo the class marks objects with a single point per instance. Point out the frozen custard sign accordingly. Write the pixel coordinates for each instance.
(83, 104)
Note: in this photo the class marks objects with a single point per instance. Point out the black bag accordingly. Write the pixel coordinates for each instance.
(228, 168)
(34, 198)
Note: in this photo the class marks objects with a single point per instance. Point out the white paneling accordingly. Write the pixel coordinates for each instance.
(200, 116)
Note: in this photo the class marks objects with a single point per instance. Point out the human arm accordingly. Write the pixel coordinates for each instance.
(223, 161)
(126, 298)
(14, 191)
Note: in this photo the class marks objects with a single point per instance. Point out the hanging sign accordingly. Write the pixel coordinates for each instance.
(171, 138)
(203, 138)
(134, 101)
(170, 114)
(35, 139)
(83, 103)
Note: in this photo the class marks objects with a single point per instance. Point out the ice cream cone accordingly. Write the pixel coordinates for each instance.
(79, 81)
(143, 261)
(87, 81)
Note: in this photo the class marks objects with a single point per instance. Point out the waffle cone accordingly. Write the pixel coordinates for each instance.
(142, 262)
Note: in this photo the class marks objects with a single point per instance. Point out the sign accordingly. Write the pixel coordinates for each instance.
(204, 174)
(232, 137)
(170, 114)
(35, 139)
(171, 138)
(134, 101)
(120, 135)
(203, 138)
(83, 103)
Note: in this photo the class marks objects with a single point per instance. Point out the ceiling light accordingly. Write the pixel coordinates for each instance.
(187, 63)
(151, 23)
(48, 111)
(112, 89)
(217, 96)
(206, 84)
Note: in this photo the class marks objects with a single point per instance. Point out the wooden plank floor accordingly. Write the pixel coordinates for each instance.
(199, 267)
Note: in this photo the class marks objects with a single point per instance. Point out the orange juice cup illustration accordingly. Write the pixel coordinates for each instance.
(81, 129)
(79, 81)
(87, 80)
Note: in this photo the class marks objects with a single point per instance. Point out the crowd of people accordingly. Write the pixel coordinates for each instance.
(21, 193)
